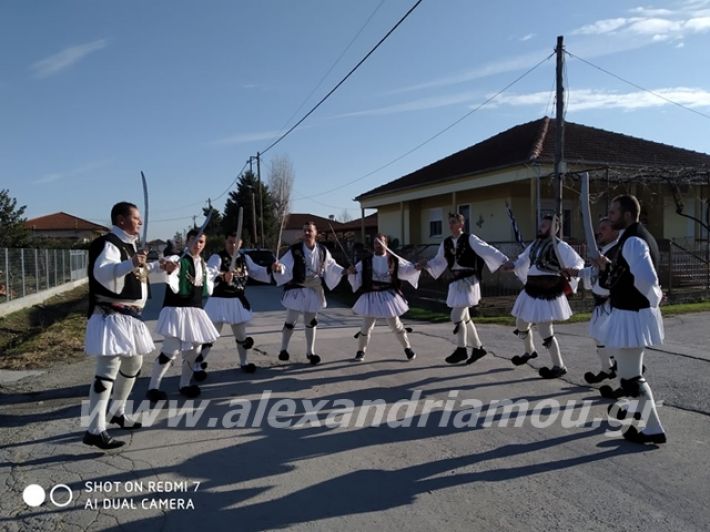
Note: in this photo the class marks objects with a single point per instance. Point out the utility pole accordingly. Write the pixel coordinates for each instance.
(261, 200)
(253, 218)
(560, 130)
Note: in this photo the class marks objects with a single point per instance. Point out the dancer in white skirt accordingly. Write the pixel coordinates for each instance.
(606, 239)
(182, 321)
(115, 332)
(228, 303)
(378, 277)
(302, 271)
(543, 299)
(464, 254)
(635, 321)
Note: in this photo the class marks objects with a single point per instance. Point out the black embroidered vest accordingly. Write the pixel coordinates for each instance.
(239, 281)
(299, 265)
(368, 285)
(132, 289)
(619, 279)
(192, 296)
(464, 254)
(542, 255)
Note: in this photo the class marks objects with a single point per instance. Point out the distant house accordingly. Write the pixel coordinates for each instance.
(516, 166)
(61, 225)
(353, 230)
(293, 227)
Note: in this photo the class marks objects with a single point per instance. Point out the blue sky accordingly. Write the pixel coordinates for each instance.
(94, 91)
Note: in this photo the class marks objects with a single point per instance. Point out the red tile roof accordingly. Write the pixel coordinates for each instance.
(296, 220)
(535, 142)
(61, 221)
(354, 225)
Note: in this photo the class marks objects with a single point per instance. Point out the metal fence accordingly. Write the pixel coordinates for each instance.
(27, 271)
(683, 269)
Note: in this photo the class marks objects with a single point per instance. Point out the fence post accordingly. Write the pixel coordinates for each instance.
(46, 262)
(22, 265)
(670, 268)
(8, 288)
(37, 269)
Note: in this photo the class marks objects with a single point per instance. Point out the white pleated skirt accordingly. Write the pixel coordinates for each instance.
(304, 299)
(596, 325)
(465, 292)
(190, 325)
(628, 328)
(384, 304)
(227, 310)
(117, 334)
(535, 310)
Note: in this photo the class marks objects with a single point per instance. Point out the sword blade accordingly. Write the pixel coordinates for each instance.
(592, 249)
(145, 209)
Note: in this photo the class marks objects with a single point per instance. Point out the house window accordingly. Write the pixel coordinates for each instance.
(466, 211)
(436, 222)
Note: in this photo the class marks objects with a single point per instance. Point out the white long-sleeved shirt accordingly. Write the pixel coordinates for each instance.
(493, 258)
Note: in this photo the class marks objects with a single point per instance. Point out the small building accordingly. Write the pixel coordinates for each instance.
(61, 225)
(516, 167)
(293, 227)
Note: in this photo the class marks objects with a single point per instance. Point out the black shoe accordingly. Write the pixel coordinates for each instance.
(191, 391)
(360, 356)
(411, 355)
(154, 395)
(476, 354)
(314, 359)
(199, 375)
(555, 372)
(632, 434)
(125, 423)
(607, 392)
(519, 360)
(102, 441)
(457, 356)
(203, 365)
(621, 412)
(593, 378)
(283, 355)
(249, 368)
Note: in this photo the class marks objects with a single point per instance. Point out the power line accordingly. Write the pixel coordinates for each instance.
(316, 106)
(322, 79)
(638, 86)
(420, 145)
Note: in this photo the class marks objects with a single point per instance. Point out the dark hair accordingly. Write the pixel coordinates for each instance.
(628, 203)
(122, 208)
(460, 218)
(311, 222)
(192, 232)
(548, 217)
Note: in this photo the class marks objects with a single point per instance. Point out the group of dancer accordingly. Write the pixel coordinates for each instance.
(624, 282)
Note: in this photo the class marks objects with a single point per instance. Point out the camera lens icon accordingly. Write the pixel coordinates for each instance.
(60, 495)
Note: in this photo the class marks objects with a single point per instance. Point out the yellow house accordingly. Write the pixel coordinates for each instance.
(516, 167)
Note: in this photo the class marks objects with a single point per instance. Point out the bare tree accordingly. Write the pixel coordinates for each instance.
(281, 178)
(345, 216)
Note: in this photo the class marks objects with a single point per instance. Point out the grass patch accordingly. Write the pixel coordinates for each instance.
(46, 334)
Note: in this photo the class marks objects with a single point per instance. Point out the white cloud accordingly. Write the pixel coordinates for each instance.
(83, 169)
(64, 59)
(601, 26)
(655, 26)
(499, 67)
(420, 104)
(244, 138)
(698, 25)
(527, 37)
(650, 12)
(586, 99)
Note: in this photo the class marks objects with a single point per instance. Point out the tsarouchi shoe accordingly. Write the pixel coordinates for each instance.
(457, 356)
(102, 441)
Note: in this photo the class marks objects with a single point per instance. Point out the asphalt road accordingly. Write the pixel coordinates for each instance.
(386, 444)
